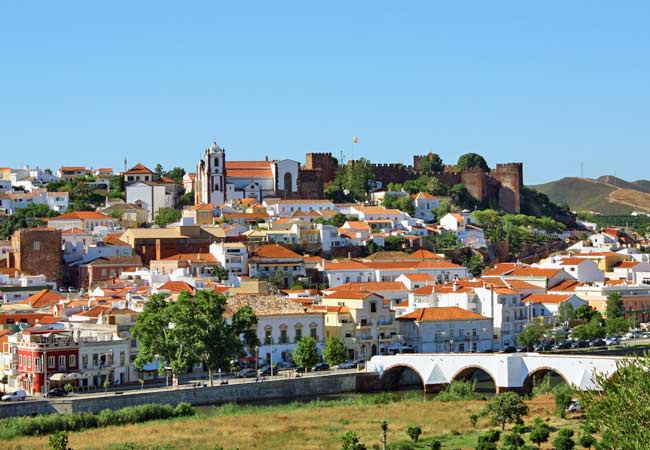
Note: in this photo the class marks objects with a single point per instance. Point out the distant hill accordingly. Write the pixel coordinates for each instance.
(607, 195)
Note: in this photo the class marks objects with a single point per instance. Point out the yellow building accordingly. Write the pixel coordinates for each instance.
(362, 319)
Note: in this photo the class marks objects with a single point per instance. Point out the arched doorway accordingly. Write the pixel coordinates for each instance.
(373, 350)
(288, 183)
(401, 377)
(482, 380)
(545, 377)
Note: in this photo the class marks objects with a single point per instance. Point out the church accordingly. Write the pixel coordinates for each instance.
(218, 180)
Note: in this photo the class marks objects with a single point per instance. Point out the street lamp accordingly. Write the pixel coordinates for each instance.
(257, 349)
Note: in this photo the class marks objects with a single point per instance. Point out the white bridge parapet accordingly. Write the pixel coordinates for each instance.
(509, 371)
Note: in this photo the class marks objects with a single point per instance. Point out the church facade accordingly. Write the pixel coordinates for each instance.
(219, 180)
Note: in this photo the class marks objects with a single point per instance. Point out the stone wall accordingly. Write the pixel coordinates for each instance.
(278, 389)
(310, 184)
(323, 162)
(38, 251)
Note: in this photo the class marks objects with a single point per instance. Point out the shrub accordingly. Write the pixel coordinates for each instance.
(563, 440)
(414, 433)
(506, 408)
(563, 395)
(184, 409)
(459, 390)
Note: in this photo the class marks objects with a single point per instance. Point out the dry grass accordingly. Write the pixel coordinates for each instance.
(303, 428)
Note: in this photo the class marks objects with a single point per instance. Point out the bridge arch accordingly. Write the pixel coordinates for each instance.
(401, 376)
(539, 373)
(478, 373)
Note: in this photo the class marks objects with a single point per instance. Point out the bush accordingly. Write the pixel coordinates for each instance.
(184, 409)
(563, 395)
(414, 433)
(459, 390)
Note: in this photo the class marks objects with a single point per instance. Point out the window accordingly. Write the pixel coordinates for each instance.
(298, 333)
(37, 245)
(84, 361)
(313, 332)
(37, 364)
(62, 362)
(20, 360)
(72, 360)
(283, 336)
(122, 359)
(216, 162)
(373, 307)
(50, 362)
(29, 362)
(268, 337)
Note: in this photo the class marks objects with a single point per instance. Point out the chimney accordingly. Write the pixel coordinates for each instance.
(455, 285)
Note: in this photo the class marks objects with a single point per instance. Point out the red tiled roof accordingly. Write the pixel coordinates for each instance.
(546, 298)
(419, 276)
(176, 287)
(95, 311)
(194, 257)
(275, 251)
(82, 215)
(534, 272)
(73, 230)
(500, 269)
(424, 195)
(626, 264)
(440, 314)
(424, 290)
(572, 261)
(351, 294)
(42, 299)
(566, 285)
(425, 254)
(373, 286)
(139, 169)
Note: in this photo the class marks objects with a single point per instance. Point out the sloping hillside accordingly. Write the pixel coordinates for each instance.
(597, 195)
(639, 185)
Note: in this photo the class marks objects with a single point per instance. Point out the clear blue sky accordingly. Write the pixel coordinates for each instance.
(548, 83)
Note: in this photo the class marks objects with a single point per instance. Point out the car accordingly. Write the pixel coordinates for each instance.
(574, 406)
(14, 396)
(563, 345)
(612, 340)
(598, 343)
(509, 349)
(348, 365)
(580, 344)
(299, 369)
(247, 373)
(320, 367)
(267, 371)
(57, 392)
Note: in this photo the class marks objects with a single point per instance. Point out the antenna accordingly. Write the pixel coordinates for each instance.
(582, 170)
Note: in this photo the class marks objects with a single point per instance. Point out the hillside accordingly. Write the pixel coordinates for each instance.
(608, 195)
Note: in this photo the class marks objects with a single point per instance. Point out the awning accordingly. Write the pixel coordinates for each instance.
(151, 367)
(57, 377)
(74, 376)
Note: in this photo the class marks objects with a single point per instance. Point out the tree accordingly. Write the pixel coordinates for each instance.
(436, 444)
(513, 441)
(488, 440)
(431, 163)
(158, 170)
(165, 216)
(620, 410)
(590, 330)
(106, 384)
(394, 243)
(414, 433)
(176, 174)
(507, 407)
(277, 280)
(68, 387)
(530, 336)
(566, 312)
(306, 352)
(24, 218)
(473, 263)
(586, 440)
(564, 440)
(540, 432)
(335, 351)
(352, 182)
(221, 273)
(563, 394)
(470, 160)
(615, 307)
(187, 199)
(59, 441)
(586, 313)
(351, 442)
(219, 338)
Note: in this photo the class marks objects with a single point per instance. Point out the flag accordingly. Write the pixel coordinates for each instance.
(355, 140)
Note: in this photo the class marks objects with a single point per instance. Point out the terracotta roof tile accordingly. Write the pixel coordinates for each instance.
(275, 251)
(176, 287)
(441, 314)
(546, 298)
(42, 299)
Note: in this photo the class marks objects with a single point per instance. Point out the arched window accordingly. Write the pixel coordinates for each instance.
(298, 332)
(268, 335)
(313, 330)
(284, 338)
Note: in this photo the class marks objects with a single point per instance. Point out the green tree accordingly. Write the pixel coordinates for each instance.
(470, 160)
(165, 216)
(586, 313)
(219, 339)
(590, 330)
(444, 206)
(106, 385)
(168, 332)
(187, 199)
(401, 202)
(513, 441)
(59, 441)
(563, 394)
(530, 336)
(488, 440)
(68, 387)
(431, 163)
(352, 182)
(566, 312)
(414, 433)
(305, 353)
(507, 407)
(586, 440)
(158, 170)
(474, 264)
(277, 280)
(564, 441)
(394, 243)
(436, 444)
(620, 410)
(615, 307)
(28, 217)
(540, 432)
(220, 272)
(335, 351)
(176, 174)
(351, 442)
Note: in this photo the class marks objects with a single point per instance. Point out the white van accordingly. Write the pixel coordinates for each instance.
(18, 395)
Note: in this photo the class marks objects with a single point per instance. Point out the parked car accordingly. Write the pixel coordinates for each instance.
(247, 373)
(300, 369)
(14, 396)
(348, 365)
(509, 349)
(612, 340)
(57, 392)
(580, 344)
(267, 371)
(598, 343)
(563, 345)
(574, 406)
(320, 367)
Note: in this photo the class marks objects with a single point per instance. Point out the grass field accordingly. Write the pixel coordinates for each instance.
(302, 427)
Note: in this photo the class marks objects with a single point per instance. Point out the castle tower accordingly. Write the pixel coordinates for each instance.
(210, 181)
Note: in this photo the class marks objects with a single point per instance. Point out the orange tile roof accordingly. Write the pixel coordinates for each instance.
(441, 314)
(249, 216)
(500, 269)
(419, 276)
(73, 230)
(373, 286)
(202, 206)
(169, 180)
(176, 287)
(357, 225)
(95, 311)
(114, 239)
(626, 264)
(336, 309)
(424, 195)
(275, 251)
(534, 272)
(572, 261)
(377, 210)
(42, 299)
(69, 168)
(424, 290)
(82, 215)
(566, 285)
(425, 254)
(139, 169)
(522, 285)
(351, 294)
(546, 298)
(458, 217)
(194, 257)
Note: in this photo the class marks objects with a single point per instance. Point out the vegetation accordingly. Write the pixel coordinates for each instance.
(563, 395)
(474, 263)
(564, 440)
(472, 160)
(459, 390)
(530, 336)
(14, 427)
(306, 352)
(337, 220)
(165, 216)
(401, 202)
(191, 330)
(24, 218)
(423, 183)
(335, 351)
(81, 195)
(507, 407)
(352, 182)
(414, 433)
(540, 432)
(432, 163)
(351, 442)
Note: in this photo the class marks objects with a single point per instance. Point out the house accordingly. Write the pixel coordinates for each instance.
(424, 203)
(362, 319)
(153, 195)
(288, 208)
(581, 269)
(547, 306)
(104, 355)
(233, 256)
(104, 172)
(188, 182)
(453, 222)
(83, 220)
(341, 272)
(193, 264)
(270, 259)
(130, 215)
(390, 290)
(105, 269)
(635, 272)
(69, 173)
(201, 214)
(447, 329)
(281, 323)
(415, 280)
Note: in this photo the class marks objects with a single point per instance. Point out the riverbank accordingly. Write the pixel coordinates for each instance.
(310, 426)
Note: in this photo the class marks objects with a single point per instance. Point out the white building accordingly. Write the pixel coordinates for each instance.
(233, 256)
(547, 306)
(424, 203)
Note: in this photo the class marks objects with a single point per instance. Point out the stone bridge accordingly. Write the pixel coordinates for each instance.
(508, 371)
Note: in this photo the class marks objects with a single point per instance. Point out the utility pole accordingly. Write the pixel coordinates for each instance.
(384, 429)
